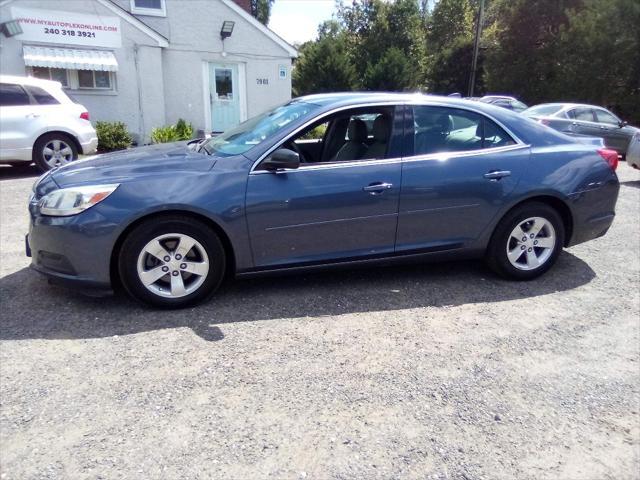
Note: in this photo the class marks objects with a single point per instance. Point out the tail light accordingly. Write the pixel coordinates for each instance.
(84, 115)
(610, 156)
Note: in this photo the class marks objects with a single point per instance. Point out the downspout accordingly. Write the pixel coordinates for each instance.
(139, 85)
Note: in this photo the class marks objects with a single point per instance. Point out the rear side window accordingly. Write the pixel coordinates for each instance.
(584, 114)
(605, 117)
(439, 129)
(41, 96)
(543, 110)
(13, 95)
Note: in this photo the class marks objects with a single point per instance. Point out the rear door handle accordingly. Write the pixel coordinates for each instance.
(497, 174)
(377, 187)
(32, 115)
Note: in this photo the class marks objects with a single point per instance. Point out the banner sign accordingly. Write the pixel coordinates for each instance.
(54, 26)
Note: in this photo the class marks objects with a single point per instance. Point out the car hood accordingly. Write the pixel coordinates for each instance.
(116, 167)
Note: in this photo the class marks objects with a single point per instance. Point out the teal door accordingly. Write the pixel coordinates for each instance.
(225, 96)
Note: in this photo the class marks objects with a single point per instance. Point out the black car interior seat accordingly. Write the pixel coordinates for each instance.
(381, 132)
(354, 148)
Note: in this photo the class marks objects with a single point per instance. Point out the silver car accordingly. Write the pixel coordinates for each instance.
(633, 153)
(585, 120)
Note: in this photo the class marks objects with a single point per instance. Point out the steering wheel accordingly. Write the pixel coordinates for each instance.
(292, 145)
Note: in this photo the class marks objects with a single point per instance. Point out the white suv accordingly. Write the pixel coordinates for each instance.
(40, 123)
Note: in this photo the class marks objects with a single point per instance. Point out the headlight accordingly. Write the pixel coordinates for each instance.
(71, 201)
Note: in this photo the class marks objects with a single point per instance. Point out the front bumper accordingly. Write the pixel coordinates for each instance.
(72, 251)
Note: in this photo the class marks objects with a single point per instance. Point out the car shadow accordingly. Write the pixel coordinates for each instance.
(8, 172)
(631, 183)
(33, 309)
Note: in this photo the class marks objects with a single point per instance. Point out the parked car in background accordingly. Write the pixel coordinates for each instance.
(510, 103)
(585, 120)
(431, 178)
(633, 153)
(40, 123)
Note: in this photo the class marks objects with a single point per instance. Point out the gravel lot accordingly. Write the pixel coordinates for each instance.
(431, 371)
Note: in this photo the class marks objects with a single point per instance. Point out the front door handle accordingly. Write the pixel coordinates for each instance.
(497, 174)
(32, 115)
(377, 187)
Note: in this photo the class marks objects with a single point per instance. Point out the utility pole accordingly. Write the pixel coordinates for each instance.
(476, 46)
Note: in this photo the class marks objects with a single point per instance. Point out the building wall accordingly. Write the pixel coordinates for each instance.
(195, 39)
(122, 104)
(155, 86)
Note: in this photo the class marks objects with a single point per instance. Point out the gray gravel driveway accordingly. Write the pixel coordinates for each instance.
(428, 372)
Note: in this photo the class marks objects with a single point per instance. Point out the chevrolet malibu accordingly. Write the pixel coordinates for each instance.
(323, 181)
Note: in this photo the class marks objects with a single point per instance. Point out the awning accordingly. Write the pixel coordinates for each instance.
(72, 59)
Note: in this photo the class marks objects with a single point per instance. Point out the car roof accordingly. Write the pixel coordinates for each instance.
(29, 81)
(565, 105)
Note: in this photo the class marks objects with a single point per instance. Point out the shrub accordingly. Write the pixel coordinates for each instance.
(184, 130)
(112, 136)
(164, 134)
(172, 133)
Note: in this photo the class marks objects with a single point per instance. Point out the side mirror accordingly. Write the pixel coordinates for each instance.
(622, 123)
(281, 158)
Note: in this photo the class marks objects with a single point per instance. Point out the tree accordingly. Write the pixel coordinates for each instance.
(261, 9)
(324, 65)
(449, 34)
(523, 46)
(605, 70)
(383, 34)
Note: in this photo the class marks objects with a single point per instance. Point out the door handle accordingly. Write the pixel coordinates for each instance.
(497, 174)
(32, 115)
(378, 187)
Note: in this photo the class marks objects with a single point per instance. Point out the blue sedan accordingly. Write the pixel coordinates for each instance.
(323, 181)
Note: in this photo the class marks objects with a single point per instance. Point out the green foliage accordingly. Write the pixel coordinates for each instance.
(261, 9)
(315, 133)
(112, 136)
(184, 130)
(324, 65)
(164, 134)
(172, 133)
(537, 50)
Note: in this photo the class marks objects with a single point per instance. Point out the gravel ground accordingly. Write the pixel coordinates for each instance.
(431, 371)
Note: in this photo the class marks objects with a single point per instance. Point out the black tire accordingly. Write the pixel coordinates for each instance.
(496, 255)
(41, 159)
(144, 233)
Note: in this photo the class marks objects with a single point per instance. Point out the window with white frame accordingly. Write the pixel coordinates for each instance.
(57, 74)
(76, 79)
(149, 7)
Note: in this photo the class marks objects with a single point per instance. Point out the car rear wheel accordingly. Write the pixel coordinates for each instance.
(527, 242)
(171, 262)
(54, 149)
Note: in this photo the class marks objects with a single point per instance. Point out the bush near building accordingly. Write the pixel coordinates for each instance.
(112, 136)
(172, 133)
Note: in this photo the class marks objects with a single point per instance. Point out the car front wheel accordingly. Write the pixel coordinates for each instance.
(54, 149)
(171, 262)
(527, 242)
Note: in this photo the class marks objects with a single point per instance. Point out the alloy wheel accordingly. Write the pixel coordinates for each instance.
(57, 152)
(173, 265)
(531, 243)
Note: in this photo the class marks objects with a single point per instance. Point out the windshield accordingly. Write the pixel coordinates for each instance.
(256, 130)
(542, 110)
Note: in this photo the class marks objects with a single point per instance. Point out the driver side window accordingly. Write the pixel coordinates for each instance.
(352, 135)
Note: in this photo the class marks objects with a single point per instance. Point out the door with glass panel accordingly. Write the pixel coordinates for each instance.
(224, 96)
(459, 168)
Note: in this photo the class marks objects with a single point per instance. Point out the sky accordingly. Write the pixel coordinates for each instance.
(297, 20)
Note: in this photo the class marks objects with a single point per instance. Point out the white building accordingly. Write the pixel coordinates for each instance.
(149, 62)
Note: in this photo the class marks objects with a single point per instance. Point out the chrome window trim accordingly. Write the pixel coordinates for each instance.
(441, 157)
(515, 138)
